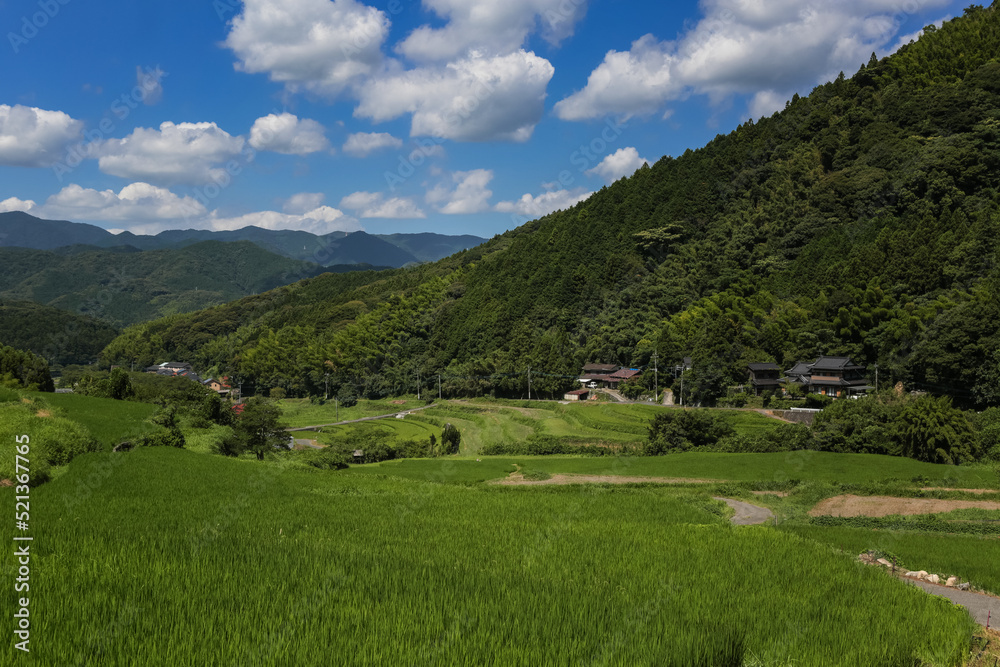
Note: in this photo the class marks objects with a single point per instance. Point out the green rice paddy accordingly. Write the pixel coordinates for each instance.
(179, 558)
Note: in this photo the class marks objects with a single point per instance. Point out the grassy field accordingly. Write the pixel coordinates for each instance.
(167, 557)
(973, 558)
(298, 412)
(484, 423)
(107, 420)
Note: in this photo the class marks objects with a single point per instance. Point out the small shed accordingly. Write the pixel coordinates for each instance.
(578, 395)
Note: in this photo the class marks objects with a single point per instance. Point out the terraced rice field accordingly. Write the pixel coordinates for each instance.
(180, 558)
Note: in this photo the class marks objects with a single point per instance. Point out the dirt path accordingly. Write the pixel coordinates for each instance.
(747, 514)
(517, 479)
(849, 505)
(979, 605)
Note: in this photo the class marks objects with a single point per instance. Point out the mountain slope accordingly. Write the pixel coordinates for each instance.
(861, 220)
(56, 335)
(122, 287)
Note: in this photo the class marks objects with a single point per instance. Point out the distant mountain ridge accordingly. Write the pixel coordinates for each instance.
(18, 229)
(122, 285)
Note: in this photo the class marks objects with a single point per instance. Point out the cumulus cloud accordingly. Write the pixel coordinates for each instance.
(175, 153)
(15, 204)
(135, 202)
(286, 133)
(470, 193)
(303, 201)
(623, 162)
(478, 98)
(363, 144)
(740, 46)
(375, 205)
(147, 209)
(497, 27)
(530, 206)
(322, 220)
(33, 137)
(319, 45)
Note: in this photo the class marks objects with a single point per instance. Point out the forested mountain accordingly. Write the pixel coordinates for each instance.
(22, 230)
(56, 335)
(862, 220)
(123, 286)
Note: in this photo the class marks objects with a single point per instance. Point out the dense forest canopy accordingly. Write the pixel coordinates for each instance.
(862, 220)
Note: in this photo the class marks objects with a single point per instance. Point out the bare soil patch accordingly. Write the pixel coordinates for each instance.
(43, 413)
(517, 479)
(947, 488)
(850, 505)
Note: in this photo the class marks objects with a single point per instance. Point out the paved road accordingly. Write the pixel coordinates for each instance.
(747, 514)
(979, 606)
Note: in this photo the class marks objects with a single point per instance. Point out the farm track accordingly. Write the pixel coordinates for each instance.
(981, 607)
(747, 514)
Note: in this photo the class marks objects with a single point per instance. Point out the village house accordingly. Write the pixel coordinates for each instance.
(836, 377)
(598, 375)
(764, 377)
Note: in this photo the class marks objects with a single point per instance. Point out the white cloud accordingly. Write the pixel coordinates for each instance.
(15, 204)
(362, 144)
(135, 202)
(176, 153)
(322, 220)
(150, 84)
(623, 162)
(478, 98)
(535, 207)
(303, 201)
(286, 133)
(496, 27)
(147, 209)
(470, 194)
(740, 47)
(33, 137)
(318, 45)
(375, 205)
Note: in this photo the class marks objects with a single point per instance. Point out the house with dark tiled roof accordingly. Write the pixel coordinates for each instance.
(764, 377)
(598, 375)
(836, 377)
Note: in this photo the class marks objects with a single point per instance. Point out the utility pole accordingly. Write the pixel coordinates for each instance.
(682, 389)
(418, 385)
(656, 379)
(326, 387)
(876, 376)
(529, 383)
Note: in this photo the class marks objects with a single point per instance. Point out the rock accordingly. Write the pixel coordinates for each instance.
(934, 579)
(922, 574)
(912, 574)
(952, 582)
(963, 587)
(882, 561)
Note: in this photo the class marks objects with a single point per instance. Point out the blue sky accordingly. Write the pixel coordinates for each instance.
(453, 116)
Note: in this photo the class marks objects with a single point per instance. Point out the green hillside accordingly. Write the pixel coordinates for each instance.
(122, 287)
(58, 336)
(862, 220)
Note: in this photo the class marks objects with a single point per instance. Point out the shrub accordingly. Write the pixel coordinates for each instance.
(682, 430)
